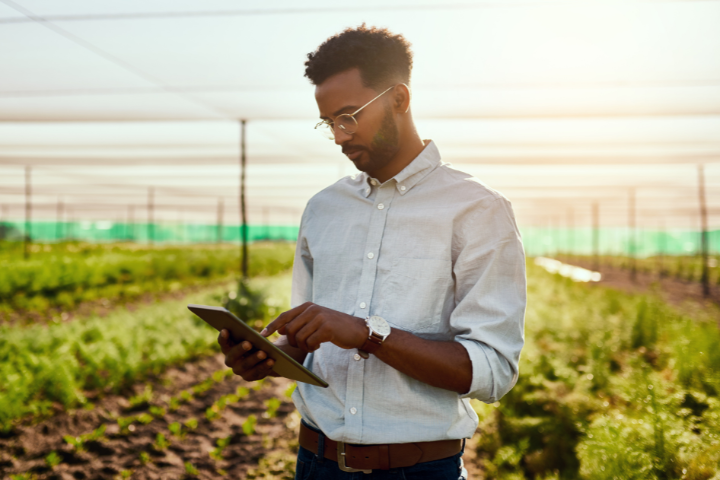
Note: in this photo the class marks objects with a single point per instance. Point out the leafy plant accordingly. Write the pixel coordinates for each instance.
(52, 460)
(248, 425)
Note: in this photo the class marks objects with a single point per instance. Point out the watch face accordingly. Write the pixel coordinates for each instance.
(379, 325)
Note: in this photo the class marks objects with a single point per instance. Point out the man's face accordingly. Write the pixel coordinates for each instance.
(375, 142)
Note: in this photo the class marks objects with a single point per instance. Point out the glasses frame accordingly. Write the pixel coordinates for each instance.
(329, 123)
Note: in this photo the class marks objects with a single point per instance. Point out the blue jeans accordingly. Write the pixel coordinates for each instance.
(311, 467)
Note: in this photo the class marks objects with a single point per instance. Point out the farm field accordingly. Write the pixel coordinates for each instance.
(62, 277)
(612, 385)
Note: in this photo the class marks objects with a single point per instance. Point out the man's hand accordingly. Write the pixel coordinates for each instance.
(251, 364)
(309, 325)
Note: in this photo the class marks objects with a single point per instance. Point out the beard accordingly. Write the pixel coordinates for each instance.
(384, 146)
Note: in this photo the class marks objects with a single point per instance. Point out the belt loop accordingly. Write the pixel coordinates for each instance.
(462, 450)
(321, 447)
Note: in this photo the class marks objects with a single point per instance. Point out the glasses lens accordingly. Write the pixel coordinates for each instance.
(346, 123)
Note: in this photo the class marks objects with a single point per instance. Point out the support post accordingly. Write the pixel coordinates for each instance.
(27, 238)
(704, 232)
(151, 225)
(219, 220)
(571, 233)
(596, 236)
(243, 212)
(632, 239)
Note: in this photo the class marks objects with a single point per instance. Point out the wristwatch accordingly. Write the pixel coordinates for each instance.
(379, 330)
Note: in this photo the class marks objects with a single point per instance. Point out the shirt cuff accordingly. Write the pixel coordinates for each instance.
(483, 385)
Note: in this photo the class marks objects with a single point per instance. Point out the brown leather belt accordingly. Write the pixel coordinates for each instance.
(354, 458)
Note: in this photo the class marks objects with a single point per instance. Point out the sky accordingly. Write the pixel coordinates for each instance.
(556, 104)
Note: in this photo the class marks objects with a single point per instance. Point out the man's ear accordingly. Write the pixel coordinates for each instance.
(401, 98)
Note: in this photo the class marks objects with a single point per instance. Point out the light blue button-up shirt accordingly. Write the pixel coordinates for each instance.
(434, 252)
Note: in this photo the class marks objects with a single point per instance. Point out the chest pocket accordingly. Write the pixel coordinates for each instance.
(415, 293)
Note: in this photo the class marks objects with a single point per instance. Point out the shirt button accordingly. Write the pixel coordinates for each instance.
(363, 305)
(373, 182)
(353, 410)
(402, 188)
(357, 356)
(371, 255)
(367, 191)
(380, 206)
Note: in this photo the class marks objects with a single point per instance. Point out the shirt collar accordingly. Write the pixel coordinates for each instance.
(411, 175)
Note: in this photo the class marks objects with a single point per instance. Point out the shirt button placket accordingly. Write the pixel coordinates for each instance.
(356, 368)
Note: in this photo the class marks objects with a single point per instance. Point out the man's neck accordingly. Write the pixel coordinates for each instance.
(410, 148)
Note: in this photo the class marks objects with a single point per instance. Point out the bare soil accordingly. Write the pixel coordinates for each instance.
(674, 291)
(269, 453)
(24, 450)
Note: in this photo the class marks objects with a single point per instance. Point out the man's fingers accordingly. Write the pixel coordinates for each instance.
(313, 341)
(260, 371)
(237, 352)
(308, 329)
(284, 319)
(300, 322)
(225, 341)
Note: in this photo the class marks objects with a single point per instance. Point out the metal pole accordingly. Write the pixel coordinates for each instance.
(661, 249)
(150, 225)
(704, 232)
(28, 213)
(571, 233)
(219, 220)
(631, 240)
(596, 236)
(243, 212)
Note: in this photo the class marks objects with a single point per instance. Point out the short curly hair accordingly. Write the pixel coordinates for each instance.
(382, 57)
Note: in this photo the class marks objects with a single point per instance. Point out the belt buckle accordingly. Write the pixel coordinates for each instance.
(341, 460)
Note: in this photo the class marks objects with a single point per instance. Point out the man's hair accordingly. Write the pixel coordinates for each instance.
(381, 57)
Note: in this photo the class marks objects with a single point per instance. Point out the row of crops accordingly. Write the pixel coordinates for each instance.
(612, 385)
(64, 275)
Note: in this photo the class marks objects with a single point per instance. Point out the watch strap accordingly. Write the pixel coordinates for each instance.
(371, 345)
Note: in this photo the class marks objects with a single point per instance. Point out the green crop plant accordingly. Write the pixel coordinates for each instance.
(190, 469)
(79, 443)
(248, 425)
(217, 452)
(191, 423)
(161, 443)
(612, 385)
(57, 363)
(142, 399)
(52, 459)
(64, 277)
(271, 405)
(176, 430)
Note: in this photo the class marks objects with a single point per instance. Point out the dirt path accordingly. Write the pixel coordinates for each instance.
(674, 291)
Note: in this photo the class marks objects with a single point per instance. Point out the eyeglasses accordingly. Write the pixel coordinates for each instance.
(345, 121)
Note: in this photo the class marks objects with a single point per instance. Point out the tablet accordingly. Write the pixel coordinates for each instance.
(285, 366)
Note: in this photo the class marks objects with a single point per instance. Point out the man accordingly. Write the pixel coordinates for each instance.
(408, 284)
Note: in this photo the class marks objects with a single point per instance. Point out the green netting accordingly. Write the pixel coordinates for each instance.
(616, 241)
(104, 231)
(537, 240)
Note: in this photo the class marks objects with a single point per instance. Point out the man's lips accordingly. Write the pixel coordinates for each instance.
(353, 153)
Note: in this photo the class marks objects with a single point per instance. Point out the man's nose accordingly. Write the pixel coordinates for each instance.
(341, 136)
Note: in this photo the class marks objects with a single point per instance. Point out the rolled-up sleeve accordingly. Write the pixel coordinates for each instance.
(302, 276)
(490, 298)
